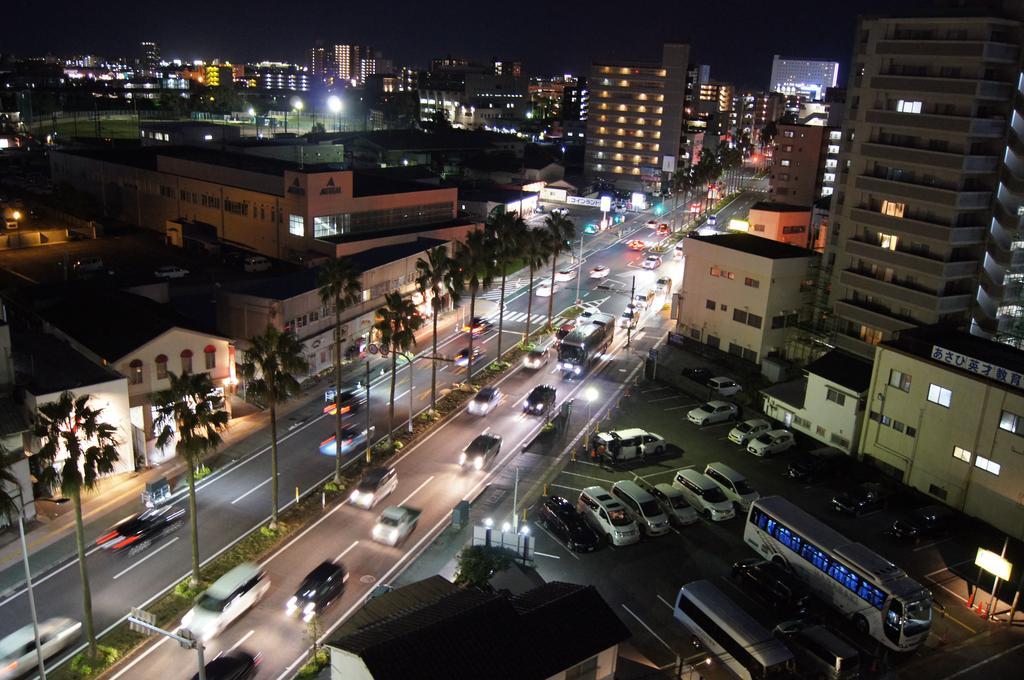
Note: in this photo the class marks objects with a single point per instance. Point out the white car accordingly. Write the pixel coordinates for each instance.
(713, 412)
(747, 430)
(230, 596)
(545, 289)
(629, 317)
(674, 504)
(560, 211)
(652, 262)
(18, 650)
(536, 358)
(170, 271)
(723, 386)
(772, 442)
(567, 274)
(652, 224)
(485, 401)
(599, 272)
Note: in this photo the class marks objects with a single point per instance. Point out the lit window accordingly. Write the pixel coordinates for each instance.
(893, 209)
(962, 454)
(888, 241)
(829, 177)
(833, 148)
(1011, 422)
(296, 225)
(835, 395)
(753, 283)
(831, 163)
(908, 106)
(784, 163)
(788, 133)
(939, 395)
(987, 465)
(899, 380)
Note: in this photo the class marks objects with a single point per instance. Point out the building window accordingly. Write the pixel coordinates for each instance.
(710, 304)
(908, 106)
(962, 454)
(987, 465)
(135, 372)
(754, 320)
(739, 315)
(835, 395)
(161, 366)
(211, 357)
(793, 230)
(888, 241)
(1011, 422)
(788, 134)
(911, 431)
(893, 209)
(939, 395)
(899, 380)
(716, 271)
(784, 162)
(296, 225)
(186, 361)
(753, 283)
(870, 335)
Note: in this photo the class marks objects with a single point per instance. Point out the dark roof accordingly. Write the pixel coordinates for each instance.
(374, 184)
(472, 634)
(409, 140)
(779, 207)
(305, 280)
(755, 245)
(920, 341)
(535, 158)
(45, 364)
(415, 173)
(792, 393)
(495, 194)
(11, 419)
(405, 599)
(843, 369)
(146, 159)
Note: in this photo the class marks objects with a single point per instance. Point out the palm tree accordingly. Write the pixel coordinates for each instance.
(9, 507)
(507, 231)
(76, 448)
(269, 367)
(475, 257)
(397, 322)
(192, 412)
(340, 287)
(563, 231)
(535, 250)
(434, 278)
(682, 183)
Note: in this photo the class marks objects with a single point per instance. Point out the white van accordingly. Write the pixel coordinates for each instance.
(629, 444)
(607, 516)
(704, 494)
(724, 386)
(642, 507)
(228, 598)
(733, 484)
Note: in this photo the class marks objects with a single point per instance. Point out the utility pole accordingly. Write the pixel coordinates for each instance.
(579, 271)
(633, 318)
(368, 443)
(28, 583)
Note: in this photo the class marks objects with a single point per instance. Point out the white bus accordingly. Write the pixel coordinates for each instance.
(879, 597)
(739, 642)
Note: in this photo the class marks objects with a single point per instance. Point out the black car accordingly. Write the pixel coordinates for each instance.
(931, 520)
(860, 499)
(236, 665)
(815, 466)
(319, 589)
(137, 532)
(479, 325)
(698, 375)
(540, 400)
(349, 400)
(775, 585)
(558, 516)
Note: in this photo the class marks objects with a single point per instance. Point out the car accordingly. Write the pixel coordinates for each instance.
(485, 401)
(637, 244)
(774, 585)
(395, 524)
(567, 274)
(230, 596)
(712, 220)
(651, 224)
(88, 265)
(723, 386)
(481, 451)
(663, 285)
(537, 358)
(643, 300)
(563, 521)
(816, 465)
(351, 438)
(137, 532)
(479, 326)
(663, 230)
(698, 375)
(563, 331)
(560, 211)
(462, 357)
(318, 590)
(929, 521)
(599, 272)
(545, 289)
(256, 263)
(630, 444)
(771, 442)
(233, 665)
(862, 498)
(170, 271)
(376, 483)
(652, 262)
(677, 252)
(18, 650)
(349, 400)
(540, 400)
(674, 504)
(747, 430)
(629, 317)
(591, 228)
(712, 412)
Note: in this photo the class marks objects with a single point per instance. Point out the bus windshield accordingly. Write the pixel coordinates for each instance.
(570, 353)
(919, 616)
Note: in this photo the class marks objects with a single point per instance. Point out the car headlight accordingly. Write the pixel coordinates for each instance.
(479, 463)
(527, 405)
(292, 605)
(462, 458)
(355, 495)
(576, 369)
(308, 611)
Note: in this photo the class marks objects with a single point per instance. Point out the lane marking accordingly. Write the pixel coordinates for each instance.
(345, 551)
(667, 603)
(984, 661)
(649, 630)
(674, 396)
(240, 641)
(563, 486)
(140, 658)
(554, 557)
(265, 481)
(127, 569)
(427, 481)
(949, 568)
(557, 542)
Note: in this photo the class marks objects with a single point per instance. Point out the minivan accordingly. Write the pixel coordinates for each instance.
(607, 516)
(228, 598)
(642, 507)
(704, 494)
(723, 386)
(732, 483)
(376, 484)
(819, 652)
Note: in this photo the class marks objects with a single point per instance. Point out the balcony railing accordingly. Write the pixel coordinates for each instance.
(959, 200)
(974, 127)
(957, 236)
(906, 293)
(902, 260)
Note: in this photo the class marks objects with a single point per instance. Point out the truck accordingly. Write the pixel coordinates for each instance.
(395, 524)
(481, 451)
(585, 344)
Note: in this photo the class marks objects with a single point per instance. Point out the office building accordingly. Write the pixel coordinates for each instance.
(635, 120)
(751, 111)
(150, 55)
(473, 95)
(277, 77)
(927, 212)
(576, 101)
(804, 78)
(804, 163)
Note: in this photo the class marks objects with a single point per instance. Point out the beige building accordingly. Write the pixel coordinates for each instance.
(946, 416)
(804, 164)
(741, 293)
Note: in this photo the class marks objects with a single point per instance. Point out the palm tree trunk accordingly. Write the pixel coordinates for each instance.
(551, 299)
(472, 315)
(391, 405)
(90, 631)
(501, 310)
(529, 306)
(190, 475)
(337, 392)
(433, 368)
(273, 462)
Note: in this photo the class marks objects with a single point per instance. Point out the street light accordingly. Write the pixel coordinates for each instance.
(28, 580)
(590, 394)
(334, 105)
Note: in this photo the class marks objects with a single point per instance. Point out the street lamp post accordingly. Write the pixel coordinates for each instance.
(579, 270)
(28, 582)
(334, 105)
(590, 394)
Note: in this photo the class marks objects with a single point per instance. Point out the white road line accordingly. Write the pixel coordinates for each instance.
(563, 486)
(984, 661)
(674, 396)
(416, 490)
(265, 481)
(660, 472)
(345, 551)
(554, 557)
(932, 544)
(140, 658)
(127, 569)
(676, 408)
(949, 568)
(557, 542)
(240, 641)
(312, 526)
(576, 474)
(649, 630)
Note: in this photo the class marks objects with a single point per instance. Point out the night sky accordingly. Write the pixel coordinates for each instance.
(737, 37)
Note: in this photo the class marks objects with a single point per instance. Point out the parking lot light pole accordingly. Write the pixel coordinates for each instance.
(590, 394)
(28, 583)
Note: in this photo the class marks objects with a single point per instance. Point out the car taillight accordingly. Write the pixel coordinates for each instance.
(108, 537)
(125, 543)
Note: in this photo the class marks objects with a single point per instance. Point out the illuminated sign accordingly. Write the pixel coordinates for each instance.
(638, 201)
(976, 366)
(739, 225)
(994, 564)
(606, 203)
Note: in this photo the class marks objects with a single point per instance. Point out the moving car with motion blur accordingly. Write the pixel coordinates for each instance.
(462, 357)
(545, 289)
(18, 650)
(537, 358)
(481, 451)
(377, 483)
(479, 325)
(137, 532)
(230, 596)
(352, 437)
(652, 262)
(637, 244)
(566, 274)
(485, 401)
(599, 272)
(540, 400)
(350, 399)
(234, 665)
(395, 524)
(318, 590)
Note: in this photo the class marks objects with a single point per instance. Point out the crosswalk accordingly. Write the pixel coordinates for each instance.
(520, 317)
(511, 285)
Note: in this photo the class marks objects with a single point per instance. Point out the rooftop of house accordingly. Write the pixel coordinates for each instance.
(792, 393)
(843, 369)
(145, 158)
(960, 348)
(375, 184)
(535, 158)
(755, 245)
(779, 207)
(45, 364)
(492, 194)
(416, 140)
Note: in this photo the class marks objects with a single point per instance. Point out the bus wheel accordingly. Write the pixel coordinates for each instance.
(778, 561)
(861, 624)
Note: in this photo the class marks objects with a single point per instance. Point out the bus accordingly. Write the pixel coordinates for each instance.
(723, 628)
(879, 597)
(585, 344)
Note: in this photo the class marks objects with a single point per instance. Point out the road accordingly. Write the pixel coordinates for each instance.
(233, 503)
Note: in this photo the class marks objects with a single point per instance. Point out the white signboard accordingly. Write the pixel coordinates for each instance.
(638, 201)
(994, 564)
(668, 164)
(580, 200)
(549, 194)
(976, 366)
(606, 203)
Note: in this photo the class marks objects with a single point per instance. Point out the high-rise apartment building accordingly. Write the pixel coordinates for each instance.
(804, 164)
(927, 214)
(320, 62)
(576, 100)
(803, 77)
(150, 54)
(635, 120)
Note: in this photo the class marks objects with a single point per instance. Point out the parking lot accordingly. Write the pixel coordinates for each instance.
(642, 580)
